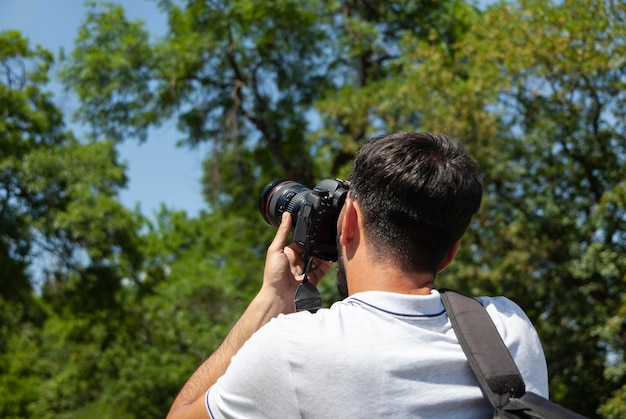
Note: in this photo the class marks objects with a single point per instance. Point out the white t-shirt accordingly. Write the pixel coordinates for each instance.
(374, 354)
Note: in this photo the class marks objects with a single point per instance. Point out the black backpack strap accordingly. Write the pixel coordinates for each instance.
(487, 354)
(492, 363)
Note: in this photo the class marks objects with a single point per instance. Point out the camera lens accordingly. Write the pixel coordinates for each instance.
(279, 196)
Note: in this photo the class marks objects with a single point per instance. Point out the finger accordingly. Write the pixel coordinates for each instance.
(295, 260)
(319, 268)
(324, 265)
(280, 239)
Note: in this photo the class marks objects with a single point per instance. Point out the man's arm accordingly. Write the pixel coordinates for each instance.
(281, 277)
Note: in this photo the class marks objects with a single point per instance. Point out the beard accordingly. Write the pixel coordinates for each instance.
(342, 283)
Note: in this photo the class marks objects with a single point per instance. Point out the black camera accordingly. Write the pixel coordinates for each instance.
(315, 212)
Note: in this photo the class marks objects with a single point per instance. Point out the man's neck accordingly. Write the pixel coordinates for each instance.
(383, 277)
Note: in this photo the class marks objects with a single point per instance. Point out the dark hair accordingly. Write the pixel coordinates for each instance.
(418, 193)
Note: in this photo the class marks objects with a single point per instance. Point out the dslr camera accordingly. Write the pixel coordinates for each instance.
(314, 212)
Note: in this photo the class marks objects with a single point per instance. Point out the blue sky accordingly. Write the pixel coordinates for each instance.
(159, 172)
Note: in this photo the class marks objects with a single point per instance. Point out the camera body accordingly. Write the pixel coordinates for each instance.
(315, 212)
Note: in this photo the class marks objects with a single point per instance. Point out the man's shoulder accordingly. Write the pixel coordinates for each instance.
(505, 311)
(501, 304)
(512, 322)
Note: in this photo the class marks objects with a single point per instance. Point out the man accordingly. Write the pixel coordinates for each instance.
(387, 350)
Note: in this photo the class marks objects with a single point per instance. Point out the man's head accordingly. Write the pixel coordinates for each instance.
(417, 193)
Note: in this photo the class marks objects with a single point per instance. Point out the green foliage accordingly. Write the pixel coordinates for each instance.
(123, 309)
(245, 76)
(66, 244)
(117, 65)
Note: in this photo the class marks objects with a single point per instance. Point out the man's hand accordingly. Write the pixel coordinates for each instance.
(284, 267)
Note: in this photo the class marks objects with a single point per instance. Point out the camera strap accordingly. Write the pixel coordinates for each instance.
(307, 295)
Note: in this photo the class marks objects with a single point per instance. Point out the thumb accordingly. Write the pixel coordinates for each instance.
(280, 239)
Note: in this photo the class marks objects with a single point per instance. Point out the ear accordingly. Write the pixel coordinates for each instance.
(349, 222)
(449, 256)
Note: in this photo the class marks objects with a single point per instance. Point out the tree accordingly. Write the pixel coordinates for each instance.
(534, 89)
(65, 242)
(244, 77)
